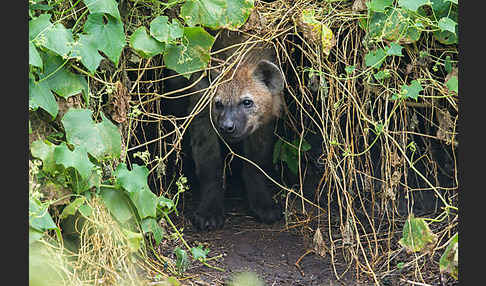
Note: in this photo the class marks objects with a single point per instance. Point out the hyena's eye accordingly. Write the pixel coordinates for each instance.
(247, 103)
(218, 104)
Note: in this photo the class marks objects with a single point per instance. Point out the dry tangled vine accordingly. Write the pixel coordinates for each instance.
(374, 160)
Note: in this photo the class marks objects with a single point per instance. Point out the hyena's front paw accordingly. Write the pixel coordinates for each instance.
(208, 218)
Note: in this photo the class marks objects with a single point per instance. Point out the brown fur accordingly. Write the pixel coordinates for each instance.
(244, 84)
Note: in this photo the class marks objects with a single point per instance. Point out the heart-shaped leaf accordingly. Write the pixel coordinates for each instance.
(40, 95)
(118, 204)
(192, 54)
(150, 225)
(417, 235)
(99, 139)
(107, 35)
(144, 44)
(135, 183)
(77, 159)
(375, 58)
(103, 6)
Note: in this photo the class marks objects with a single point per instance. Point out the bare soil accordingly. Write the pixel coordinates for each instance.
(270, 251)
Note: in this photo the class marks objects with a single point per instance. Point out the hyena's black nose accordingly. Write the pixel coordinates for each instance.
(228, 126)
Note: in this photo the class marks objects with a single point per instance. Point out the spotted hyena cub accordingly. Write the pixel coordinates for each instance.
(243, 109)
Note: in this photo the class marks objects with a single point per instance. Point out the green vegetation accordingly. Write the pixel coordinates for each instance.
(86, 159)
(379, 67)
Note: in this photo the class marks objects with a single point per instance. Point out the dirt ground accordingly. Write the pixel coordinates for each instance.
(270, 251)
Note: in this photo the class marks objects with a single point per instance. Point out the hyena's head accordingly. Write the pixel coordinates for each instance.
(252, 98)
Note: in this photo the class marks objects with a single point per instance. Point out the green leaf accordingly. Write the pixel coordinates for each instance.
(349, 69)
(72, 207)
(446, 37)
(379, 5)
(409, 91)
(135, 183)
(59, 40)
(47, 267)
(412, 5)
(447, 24)
(394, 50)
(375, 58)
(38, 6)
(193, 54)
(39, 217)
(108, 37)
(182, 260)
(444, 8)
(216, 14)
(381, 75)
(237, 13)
(87, 52)
(208, 13)
(198, 253)
(80, 185)
(304, 147)
(449, 261)
(145, 201)
(448, 64)
(118, 204)
(453, 84)
(176, 30)
(34, 57)
(276, 151)
(62, 81)
(44, 150)
(159, 29)
(412, 90)
(150, 225)
(392, 27)
(135, 239)
(75, 165)
(417, 236)
(290, 148)
(289, 152)
(103, 6)
(100, 139)
(110, 135)
(38, 26)
(165, 204)
(77, 159)
(41, 96)
(85, 210)
(292, 162)
(379, 128)
(134, 180)
(34, 235)
(144, 44)
(166, 32)
(54, 37)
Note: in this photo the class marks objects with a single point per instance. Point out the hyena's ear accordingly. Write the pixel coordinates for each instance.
(269, 73)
